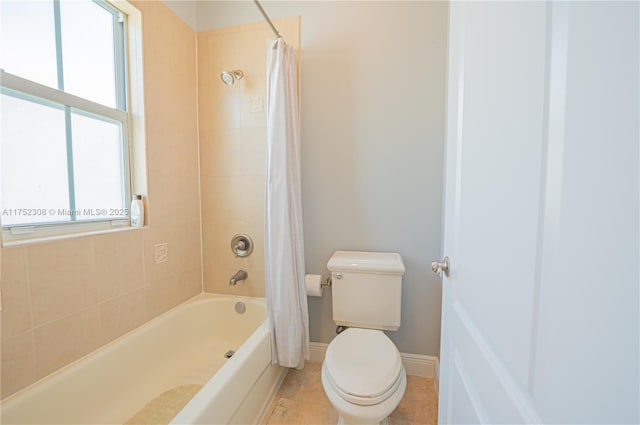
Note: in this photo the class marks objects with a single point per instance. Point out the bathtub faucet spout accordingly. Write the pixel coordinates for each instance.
(240, 275)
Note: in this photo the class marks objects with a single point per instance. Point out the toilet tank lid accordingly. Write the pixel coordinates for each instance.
(376, 262)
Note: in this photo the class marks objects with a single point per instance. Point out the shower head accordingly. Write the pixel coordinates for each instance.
(230, 77)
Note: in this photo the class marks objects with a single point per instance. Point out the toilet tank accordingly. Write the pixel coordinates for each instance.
(367, 289)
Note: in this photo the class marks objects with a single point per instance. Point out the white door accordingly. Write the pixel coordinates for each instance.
(540, 310)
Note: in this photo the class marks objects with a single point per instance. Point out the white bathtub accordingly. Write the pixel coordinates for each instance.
(184, 346)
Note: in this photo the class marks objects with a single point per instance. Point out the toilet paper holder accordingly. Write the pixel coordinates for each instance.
(326, 281)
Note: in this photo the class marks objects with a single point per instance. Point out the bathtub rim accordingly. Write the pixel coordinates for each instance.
(200, 298)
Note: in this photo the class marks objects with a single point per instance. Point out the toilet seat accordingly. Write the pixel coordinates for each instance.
(363, 366)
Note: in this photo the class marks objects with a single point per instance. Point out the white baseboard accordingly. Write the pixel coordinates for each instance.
(419, 365)
(316, 351)
(414, 364)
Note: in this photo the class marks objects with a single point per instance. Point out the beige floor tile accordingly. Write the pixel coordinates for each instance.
(396, 421)
(319, 414)
(420, 402)
(301, 413)
(286, 412)
(305, 385)
(405, 410)
(301, 400)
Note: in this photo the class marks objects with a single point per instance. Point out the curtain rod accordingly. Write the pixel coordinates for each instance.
(273, 28)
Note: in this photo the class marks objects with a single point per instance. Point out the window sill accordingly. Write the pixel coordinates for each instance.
(53, 238)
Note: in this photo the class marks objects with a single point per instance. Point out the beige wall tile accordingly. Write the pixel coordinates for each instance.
(162, 294)
(174, 200)
(17, 362)
(60, 342)
(225, 106)
(163, 208)
(208, 270)
(203, 60)
(254, 152)
(222, 198)
(156, 300)
(120, 263)
(189, 197)
(76, 252)
(221, 158)
(16, 306)
(190, 283)
(187, 249)
(14, 265)
(253, 198)
(205, 109)
(122, 314)
(172, 156)
(62, 292)
(63, 278)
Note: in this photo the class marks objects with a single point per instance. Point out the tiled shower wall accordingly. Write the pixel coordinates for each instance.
(232, 125)
(63, 299)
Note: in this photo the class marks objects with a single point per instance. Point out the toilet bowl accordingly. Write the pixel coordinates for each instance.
(363, 376)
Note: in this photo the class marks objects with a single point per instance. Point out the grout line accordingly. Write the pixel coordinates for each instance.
(30, 301)
(66, 316)
(199, 165)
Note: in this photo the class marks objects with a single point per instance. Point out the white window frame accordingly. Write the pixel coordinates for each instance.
(129, 105)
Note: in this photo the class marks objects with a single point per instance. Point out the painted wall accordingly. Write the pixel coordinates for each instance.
(61, 300)
(373, 86)
(233, 151)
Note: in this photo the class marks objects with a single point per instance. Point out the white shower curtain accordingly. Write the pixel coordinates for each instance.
(284, 244)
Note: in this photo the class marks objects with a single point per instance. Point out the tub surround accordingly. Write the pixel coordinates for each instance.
(63, 299)
(232, 132)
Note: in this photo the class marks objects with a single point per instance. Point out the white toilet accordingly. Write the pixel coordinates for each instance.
(362, 373)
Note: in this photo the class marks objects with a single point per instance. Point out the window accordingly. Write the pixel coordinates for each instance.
(64, 131)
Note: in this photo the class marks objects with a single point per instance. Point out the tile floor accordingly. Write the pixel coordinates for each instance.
(301, 401)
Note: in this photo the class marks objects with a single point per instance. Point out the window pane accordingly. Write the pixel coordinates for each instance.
(34, 163)
(98, 167)
(88, 51)
(28, 43)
